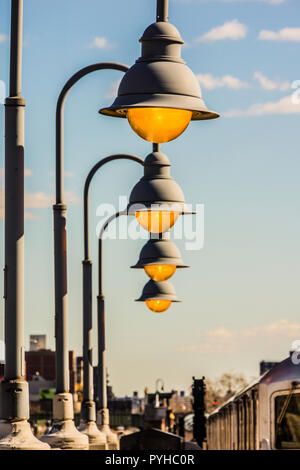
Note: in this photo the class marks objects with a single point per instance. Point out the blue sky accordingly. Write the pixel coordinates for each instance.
(241, 296)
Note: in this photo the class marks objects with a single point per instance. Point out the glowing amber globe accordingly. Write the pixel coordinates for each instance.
(158, 125)
(158, 305)
(158, 296)
(160, 272)
(157, 221)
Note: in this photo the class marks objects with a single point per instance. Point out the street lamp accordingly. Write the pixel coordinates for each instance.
(63, 433)
(157, 200)
(157, 83)
(154, 161)
(160, 258)
(97, 439)
(160, 95)
(158, 296)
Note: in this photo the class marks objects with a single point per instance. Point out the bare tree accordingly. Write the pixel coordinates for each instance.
(219, 390)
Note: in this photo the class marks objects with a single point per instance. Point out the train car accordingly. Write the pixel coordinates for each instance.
(264, 415)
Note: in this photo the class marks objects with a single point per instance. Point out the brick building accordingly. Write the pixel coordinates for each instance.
(42, 362)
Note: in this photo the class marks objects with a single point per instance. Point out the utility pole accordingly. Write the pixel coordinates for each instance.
(199, 426)
(15, 431)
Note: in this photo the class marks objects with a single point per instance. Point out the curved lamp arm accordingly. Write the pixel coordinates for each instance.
(60, 235)
(102, 395)
(59, 116)
(88, 410)
(110, 219)
(87, 187)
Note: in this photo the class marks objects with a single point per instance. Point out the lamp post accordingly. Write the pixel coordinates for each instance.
(15, 431)
(157, 188)
(154, 163)
(63, 433)
(159, 95)
(103, 411)
(97, 439)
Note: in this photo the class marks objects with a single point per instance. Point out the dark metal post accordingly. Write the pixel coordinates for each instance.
(15, 432)
(162, 10)
(88, 410)
(103, 411)
(199, 425)
(88, 392)
(63, 433)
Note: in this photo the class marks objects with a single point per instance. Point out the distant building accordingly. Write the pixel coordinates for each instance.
(181, 402)
(37, 342)
(264, 366)
(42, 363)
(40, 374)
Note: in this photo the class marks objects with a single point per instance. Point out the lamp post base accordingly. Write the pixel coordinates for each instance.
(63, 434)
(15, 430)
(97, 439)
(103, 425)
(17, 435)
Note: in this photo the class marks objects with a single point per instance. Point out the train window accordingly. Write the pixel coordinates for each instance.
(287, 421)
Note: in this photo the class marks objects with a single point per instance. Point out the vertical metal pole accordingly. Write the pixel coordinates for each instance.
(14, 405)
(14, 397)
(60, 260)
(162, 10)
(103, 411)
(14, 205)
(102, 392)
(88, 392)
(63, 433)
(61, 305)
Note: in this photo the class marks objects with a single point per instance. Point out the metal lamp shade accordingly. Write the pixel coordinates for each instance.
(159, 251)
(157, 190)
(158, 291)
(160, 78)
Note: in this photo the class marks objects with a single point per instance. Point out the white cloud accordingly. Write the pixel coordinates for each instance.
(268, 84)
(284, 34)
(230, 30)
(27, 172)
(210, 82)
(113, 89)
(69, 174)
(100, 42)
(3, 37)
(223, 340)
(30, 216)
(283, 106)
(38, 200)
